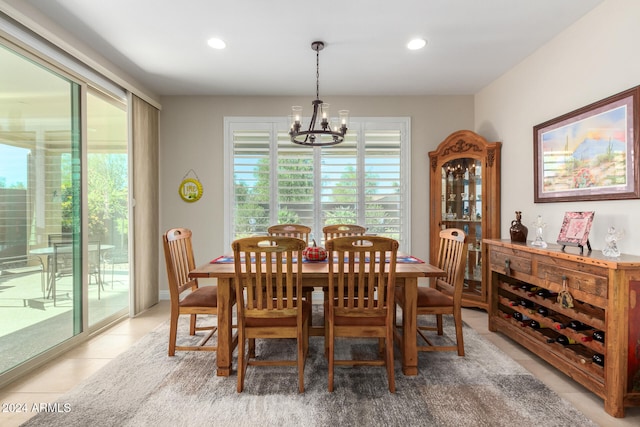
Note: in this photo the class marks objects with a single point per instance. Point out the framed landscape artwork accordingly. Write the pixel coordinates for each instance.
(590, 153)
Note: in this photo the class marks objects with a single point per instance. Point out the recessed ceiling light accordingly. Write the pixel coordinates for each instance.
(416, 44)
(216, 43)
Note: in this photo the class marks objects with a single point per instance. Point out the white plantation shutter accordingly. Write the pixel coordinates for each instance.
(384, 200)
(364, 180)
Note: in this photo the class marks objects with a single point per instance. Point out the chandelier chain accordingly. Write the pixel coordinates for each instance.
(318, 74)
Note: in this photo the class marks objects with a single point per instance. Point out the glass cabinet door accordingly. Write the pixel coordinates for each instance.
(462, 208)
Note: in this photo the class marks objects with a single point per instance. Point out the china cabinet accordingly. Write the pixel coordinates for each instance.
(465, 194)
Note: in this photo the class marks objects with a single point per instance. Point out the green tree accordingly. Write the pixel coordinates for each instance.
(107, 178)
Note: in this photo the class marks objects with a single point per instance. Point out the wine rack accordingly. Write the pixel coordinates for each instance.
(605, 296)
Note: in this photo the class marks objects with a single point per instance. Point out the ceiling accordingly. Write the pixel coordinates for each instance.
(163, 43)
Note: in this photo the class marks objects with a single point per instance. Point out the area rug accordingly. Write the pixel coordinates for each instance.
(145, 387)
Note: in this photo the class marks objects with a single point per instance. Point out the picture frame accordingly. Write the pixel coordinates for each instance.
(591, 153)
(575, 230)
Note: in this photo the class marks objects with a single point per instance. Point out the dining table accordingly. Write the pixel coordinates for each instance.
(316, 274)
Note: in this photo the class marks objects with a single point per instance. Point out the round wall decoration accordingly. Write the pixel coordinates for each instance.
(190, 189)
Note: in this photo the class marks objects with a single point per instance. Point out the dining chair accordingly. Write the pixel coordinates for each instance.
(294, 230)
(330, 232)
(444, 295)
(187, 297)
(268, 279)
(341, 230)
(291, 230)
(61, 262)
(361, 293)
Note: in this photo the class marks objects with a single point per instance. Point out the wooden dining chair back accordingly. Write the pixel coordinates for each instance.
(444, 295)
(290, 230)
(294, 230)
(187, 297)
(342, 230)
(268, 278)
(361, 297)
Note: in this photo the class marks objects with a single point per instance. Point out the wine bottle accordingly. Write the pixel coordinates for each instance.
(545, 293)
(520, 317)
(598, 336)
(536, 325)
(586, 338)
(543, 311)
(560, 325)
(526, 303)
(564, 340)
(578, 326)
(598, 359)
(530, 290)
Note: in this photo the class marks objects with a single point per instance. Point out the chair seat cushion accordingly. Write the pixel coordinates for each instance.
(430, 297)
(206, 296)
(279, 322)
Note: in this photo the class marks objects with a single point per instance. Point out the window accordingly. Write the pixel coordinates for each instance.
(364, 180)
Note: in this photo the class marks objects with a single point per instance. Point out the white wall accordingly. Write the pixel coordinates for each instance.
(591, 60)
(191, 137)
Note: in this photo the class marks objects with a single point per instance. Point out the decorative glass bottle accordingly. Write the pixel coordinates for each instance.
(518, 230)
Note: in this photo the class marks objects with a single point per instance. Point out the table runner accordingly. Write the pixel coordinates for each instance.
(401, 259)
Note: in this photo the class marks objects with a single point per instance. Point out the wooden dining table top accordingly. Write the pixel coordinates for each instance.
(317, 269)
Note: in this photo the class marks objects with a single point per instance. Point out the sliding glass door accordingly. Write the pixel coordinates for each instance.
(107, 206)
(39, 210)
(63, 208)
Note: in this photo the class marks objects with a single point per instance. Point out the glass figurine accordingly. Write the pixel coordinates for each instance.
(611, 240)
(539, 226)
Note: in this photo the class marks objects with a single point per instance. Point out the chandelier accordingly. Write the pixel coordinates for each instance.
(323, 136)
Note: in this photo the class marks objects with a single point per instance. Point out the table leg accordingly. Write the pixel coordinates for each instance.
(225, 336)
(409, 319)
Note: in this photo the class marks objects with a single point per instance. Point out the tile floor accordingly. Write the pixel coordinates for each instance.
(60, 375)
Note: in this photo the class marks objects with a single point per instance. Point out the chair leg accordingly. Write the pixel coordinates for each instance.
(331, 361)
(192, 325)
(252, 347)
(301, 360)
(459, 338)
(326, 324)
(390, 362)
(241, 362)
(439, 323)
(305, 337)
(173, 332)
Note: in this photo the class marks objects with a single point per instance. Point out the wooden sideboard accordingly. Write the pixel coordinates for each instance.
(605, 294)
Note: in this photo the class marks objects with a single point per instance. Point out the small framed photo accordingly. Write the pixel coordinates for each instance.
(575, 229)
